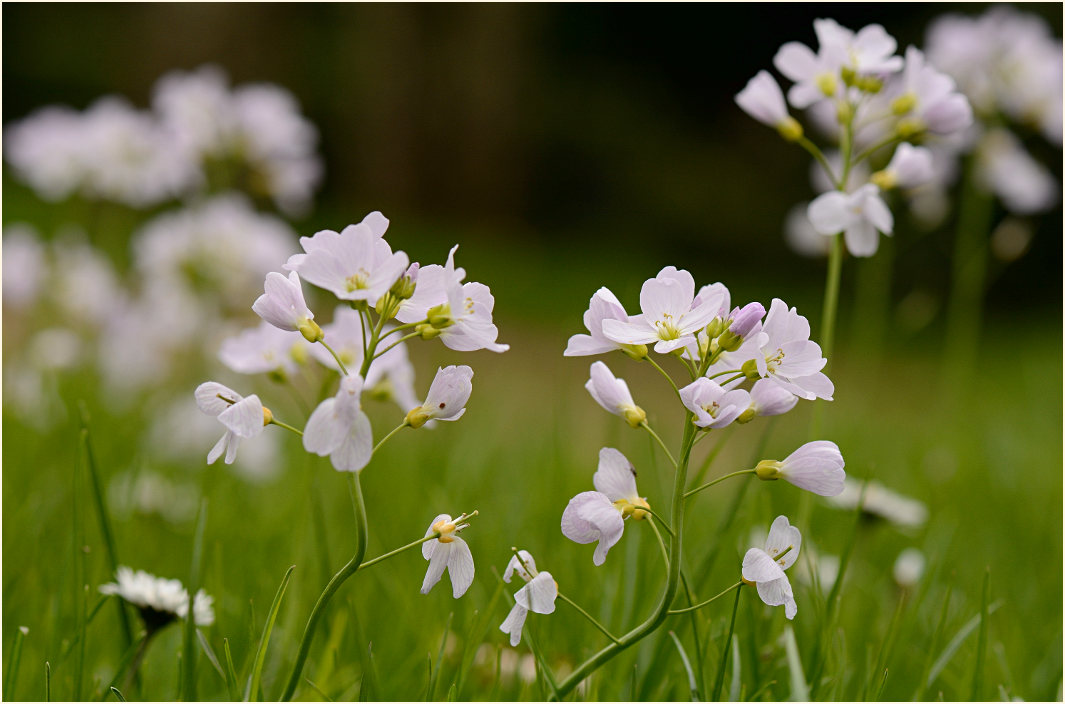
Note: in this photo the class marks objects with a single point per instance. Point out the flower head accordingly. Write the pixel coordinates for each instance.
(816, 466)
(283, 306)
(448, 551)
(263, 349)
(909, 167)
(858, 215)
(713, 406)
(341, 429)
(927, 100)
(603, 306)
(600, 515)
(613, 394)
(538, 595)
(670, 316)
(159, 600)
(447, 397)
(765, 567)
(356, 265)
(243, 417)
(763, 100)
(785, 354)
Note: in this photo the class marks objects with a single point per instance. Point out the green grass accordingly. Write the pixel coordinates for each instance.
(987, 466)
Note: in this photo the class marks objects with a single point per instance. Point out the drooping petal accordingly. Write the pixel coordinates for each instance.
(514, 622)
(460, 566)
(219, 447)
(355, 451)
(591, 516)
(760, 567)
(615, 477)
(245, 417)
(208, 397)
(439, 554)
(324, 431)
(816, 466)
(539, 595)
(526, 573)
(783, 535)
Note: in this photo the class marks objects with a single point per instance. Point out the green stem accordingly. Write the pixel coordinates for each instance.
(338, 579)
(817, 154)
(286, 426)
(661, 544)
(590, 618)
(661, 444)
(831, 303)
(408, 546)
(719, 681)
(397, 342)
(715, 481)
(405, 326)
(738, 376)
(704, 603)
(727, 371)
(887, 141)
(657, 518)
(663, 373)
(672, 585)
(340, 363)
(371, 347)
(383, 440)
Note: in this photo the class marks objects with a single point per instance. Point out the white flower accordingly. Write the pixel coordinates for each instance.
(762, 99)
(858, 215)
(613, 394)
(801, 236)
(770, 399)
(869, 51)
(375, 221)
(788, 356)
(766, 570)
(465, 320)
(603, 306)
(816, 466)
(600, 515)
(263, 349)
(448, 394)
(908, 568)
(355, 265)
(159, 600)
(538, 595)
(909, 167)
(430, 290)
(243, 417)
(670, 316)
(927, 99)
(712, 405)
(881, 502)
(1006, 168)
(447, 551)
(340, 428)
(283, 305)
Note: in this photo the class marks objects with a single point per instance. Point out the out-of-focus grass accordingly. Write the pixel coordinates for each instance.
(987, 466)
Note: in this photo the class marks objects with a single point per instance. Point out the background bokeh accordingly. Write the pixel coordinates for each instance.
(566, 147)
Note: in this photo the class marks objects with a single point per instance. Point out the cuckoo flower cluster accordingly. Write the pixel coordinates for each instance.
(737, 362)
(384, 302)
(874, 105)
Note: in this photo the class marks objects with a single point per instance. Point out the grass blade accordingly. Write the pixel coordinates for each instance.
(475, 636)
(264, 641)
(981, 642)
(693, 688)
(188, 679)
(231, 674)
(105, 520)
(79, 577)
(439, 657)
(936, 637)
(13, 664)
(47, 681)
(118, 694)
(886, 647)
(209, 652)
(955, 643)
(799, 691)
(719, 679)
(368, 690)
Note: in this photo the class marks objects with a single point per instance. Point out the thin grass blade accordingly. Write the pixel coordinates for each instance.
(799, 691)
(955, 643)
(209, 652)
(232, 686)
(719, 679)
(255, 683)
(47, 681)
(981, 642)
(476, 635)
(440, 657)
(13, 663)
(118, 694)
(693, 687)
(368, 692)
(734, 686)
(188, 687)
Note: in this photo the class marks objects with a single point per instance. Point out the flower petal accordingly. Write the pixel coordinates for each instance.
(615, 477)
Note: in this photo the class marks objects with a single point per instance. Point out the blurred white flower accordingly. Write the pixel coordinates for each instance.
(908, 568)
(801, 235)
(24, 265)
(927, 99)
(447, 551)
(149, 492)
(909, 167)
(242, 417)
(538, 595)
(55, 349)
(264, 349)
(859, 216)
(1006, 168)
(84, 283)
(881, 502)
(159, 600)
(765, 568)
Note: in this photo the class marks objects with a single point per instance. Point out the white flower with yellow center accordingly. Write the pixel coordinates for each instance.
(765, 568)
(243, 417)
(341, 429)
(447, 551)
(356, 265)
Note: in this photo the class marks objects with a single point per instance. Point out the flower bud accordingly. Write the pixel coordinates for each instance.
(747, 416)
(849, 76)
(634, 416)
(310, 331)
(828, 84)
(416, 417)
(405, 285)
(744, 319)
(636, 352)
(844, 112)
(387, 305)
(427, 331)
(750, 369)
(904, 103)
(716, 327)
(909, 128)
(440, 316)
(870, 84)
(767, 470)
(884, 179)
(268, 416)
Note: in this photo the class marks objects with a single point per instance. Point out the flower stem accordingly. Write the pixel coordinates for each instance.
(715, 481)
(397, 342)
(828, 311)
(286, 426)
(669, 592)
(339, 578)
(659, 519)
(590, 618)
(817, 154)
(661, 444)
(371, 347)
(887, 141)
(340, 363)
(408, 546)
(395, 430)
(727, 371)
(405, 326)
(704, 603)
(738, 376)
(663, 373)
(719, 681)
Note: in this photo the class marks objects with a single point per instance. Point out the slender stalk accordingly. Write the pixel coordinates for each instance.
(887, 141)
(339, 361)
(719, 681)
(715, 481)
(371, 347)
(661, 544)
(732, 379)
(817, 154)
(661, 444)
(664, 373)
(138, 658)
(286, 426)
(405, 326)
(397, 342)
(395, 430)
(338, 579)
(591, 619)
(727, 371)
(672, 585)
(408, 546)
(704, 603)
(657, 518)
